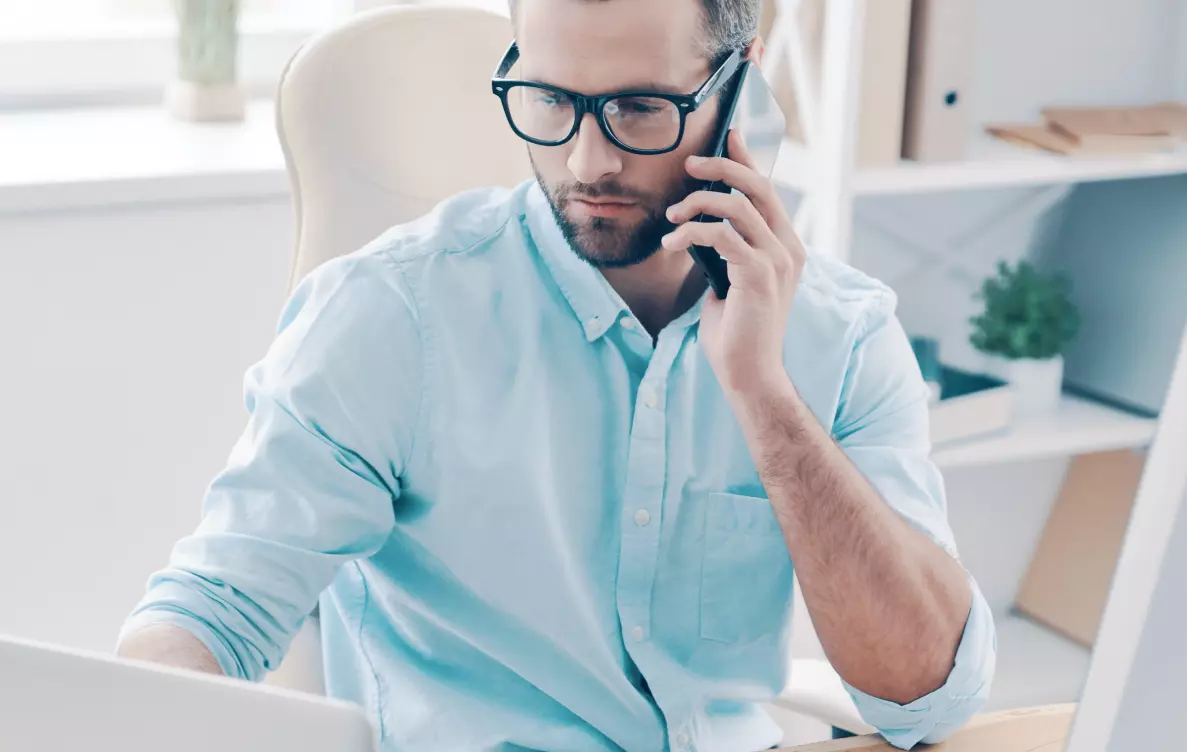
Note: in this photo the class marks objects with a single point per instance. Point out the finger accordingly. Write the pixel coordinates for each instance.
(716, 235)
(737, 149)
(732, 206)
(745, 179)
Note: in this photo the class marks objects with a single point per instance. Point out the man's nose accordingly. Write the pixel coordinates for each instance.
(593, 156)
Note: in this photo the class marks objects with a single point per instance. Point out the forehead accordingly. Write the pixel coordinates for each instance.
(598, 46)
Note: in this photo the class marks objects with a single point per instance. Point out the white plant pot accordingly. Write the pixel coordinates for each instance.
(186, 100)
(1036, 384)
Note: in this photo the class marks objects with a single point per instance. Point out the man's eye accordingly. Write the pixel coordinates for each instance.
(637, 106)
(550, 99)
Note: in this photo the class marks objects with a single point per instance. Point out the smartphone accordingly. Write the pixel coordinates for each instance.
(748, 106)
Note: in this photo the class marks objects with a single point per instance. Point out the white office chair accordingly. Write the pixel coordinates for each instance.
(381, 118)
(388, 114)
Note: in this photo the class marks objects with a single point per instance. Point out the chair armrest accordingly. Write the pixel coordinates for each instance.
(815, 690)
(1038, 729)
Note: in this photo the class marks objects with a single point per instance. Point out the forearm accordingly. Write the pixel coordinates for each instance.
(888, 604)
(168, 645)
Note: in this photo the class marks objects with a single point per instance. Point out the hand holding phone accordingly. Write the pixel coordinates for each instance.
(738, 230)
(748, 106)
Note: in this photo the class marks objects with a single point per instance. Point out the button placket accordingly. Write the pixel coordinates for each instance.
(644, 489)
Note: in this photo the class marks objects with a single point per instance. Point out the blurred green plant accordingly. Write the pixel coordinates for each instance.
(207, 41)
(1027, 314)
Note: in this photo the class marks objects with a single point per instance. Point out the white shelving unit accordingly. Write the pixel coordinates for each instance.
(1035, 665)
(1079, 426)
(994, 165)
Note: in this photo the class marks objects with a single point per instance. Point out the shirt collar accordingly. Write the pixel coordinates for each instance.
(595, 303)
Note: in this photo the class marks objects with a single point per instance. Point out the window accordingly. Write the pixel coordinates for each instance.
(83, 17)
(64, 52)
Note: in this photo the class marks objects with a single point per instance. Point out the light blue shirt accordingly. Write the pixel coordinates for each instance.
(530, 527)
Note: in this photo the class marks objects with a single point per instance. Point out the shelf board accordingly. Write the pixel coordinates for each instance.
(1035, 665)
(993, 164)
(1078, 426)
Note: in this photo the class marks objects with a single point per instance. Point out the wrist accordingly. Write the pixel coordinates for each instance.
(762, 396)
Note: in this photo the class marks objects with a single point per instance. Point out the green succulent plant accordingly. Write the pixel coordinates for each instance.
(207, 45)
(1027, 314)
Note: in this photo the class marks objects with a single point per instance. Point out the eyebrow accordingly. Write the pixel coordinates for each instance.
(643, 86)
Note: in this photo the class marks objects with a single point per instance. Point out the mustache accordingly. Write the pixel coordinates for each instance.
(609, 189)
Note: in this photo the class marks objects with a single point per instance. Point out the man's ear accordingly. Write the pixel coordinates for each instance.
(754, 51)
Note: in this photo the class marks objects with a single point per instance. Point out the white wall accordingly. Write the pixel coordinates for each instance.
(1181, 47)
(124, 335)
(1072, 52)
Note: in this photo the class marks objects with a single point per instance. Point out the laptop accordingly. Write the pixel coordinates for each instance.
(54, 699)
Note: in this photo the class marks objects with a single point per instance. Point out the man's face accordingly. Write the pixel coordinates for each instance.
(610, 203)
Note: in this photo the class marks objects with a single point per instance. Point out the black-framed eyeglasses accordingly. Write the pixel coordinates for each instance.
(640, 122)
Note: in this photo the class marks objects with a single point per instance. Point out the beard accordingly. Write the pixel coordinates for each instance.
(609, 243)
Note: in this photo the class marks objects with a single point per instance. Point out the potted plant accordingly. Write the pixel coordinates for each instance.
(1027, 322)
(206, 85)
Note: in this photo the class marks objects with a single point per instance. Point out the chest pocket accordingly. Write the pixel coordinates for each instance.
(746, 575)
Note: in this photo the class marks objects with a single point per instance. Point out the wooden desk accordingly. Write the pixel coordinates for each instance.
(1040, 729)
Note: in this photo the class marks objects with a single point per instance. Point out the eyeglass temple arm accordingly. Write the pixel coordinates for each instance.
(718, 79)
(510, 58)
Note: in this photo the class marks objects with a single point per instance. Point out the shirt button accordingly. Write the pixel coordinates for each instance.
(647, 395)
(682, 740)
(642, 517)
(637, 634)
(628, 323)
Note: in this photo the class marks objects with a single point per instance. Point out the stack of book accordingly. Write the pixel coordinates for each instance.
(963, 404)
(1102, 130)
(969, 405)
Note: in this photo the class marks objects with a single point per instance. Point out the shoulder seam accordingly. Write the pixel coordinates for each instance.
(389, 252)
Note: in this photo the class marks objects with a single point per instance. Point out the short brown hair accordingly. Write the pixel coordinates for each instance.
(729, 25)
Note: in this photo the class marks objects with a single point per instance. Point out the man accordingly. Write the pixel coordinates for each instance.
(548, 488)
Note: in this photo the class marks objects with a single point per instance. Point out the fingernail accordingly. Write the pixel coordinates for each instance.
(666, 240)
(671, 212)
(695, 160)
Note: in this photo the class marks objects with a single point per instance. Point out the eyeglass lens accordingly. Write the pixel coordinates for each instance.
(645, 123)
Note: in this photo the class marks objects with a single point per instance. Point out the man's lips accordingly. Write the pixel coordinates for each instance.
(600, 207)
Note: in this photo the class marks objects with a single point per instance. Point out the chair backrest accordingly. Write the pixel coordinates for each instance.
(388, 114)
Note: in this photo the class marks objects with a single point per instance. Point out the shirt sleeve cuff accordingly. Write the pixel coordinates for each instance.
(200, 629)
(934, 717)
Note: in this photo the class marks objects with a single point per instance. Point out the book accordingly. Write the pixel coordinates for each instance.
(881, 109)
(970, 404)
(1032, 136)
(1087, 126)
(1101, 130)
(1044, 137)
(1067, 582)
(939, 80)
(883, 83)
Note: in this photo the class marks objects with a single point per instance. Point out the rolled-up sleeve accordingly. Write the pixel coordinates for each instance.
(882, 424)
(311, 482)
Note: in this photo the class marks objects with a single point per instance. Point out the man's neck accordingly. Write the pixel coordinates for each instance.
(659, 289)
